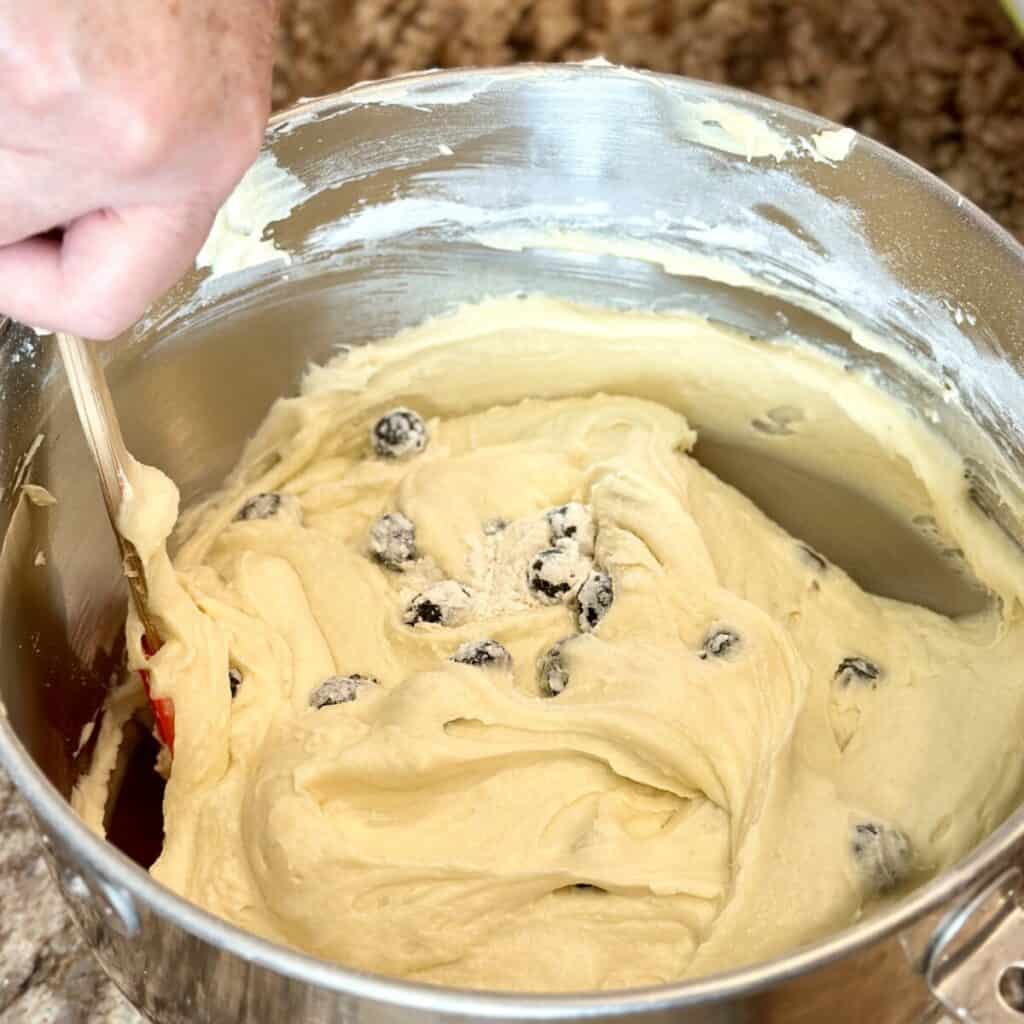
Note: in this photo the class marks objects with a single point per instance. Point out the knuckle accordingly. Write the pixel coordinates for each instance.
(40, 76)
(151, 130)
(142, 137)
(149, 123)
(40, 91)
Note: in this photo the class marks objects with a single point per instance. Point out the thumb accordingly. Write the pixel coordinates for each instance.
(109, 266)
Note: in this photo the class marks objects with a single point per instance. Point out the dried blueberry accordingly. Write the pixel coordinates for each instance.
(483, 653)
(234, 680)
(423, 609)
(393, 541)
(271, 505)
(881, 853)
(262, 506)
(858, 670)
(339, 690)
(594, 599)
(552, 674)
(399, 434)
(719, 643)
(810, 555)
(572, 522)
(443, 604)
(555, 574)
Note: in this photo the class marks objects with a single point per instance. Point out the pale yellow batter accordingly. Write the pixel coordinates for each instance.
(733, 750)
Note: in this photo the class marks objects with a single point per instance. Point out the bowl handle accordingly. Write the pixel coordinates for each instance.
(974, 960)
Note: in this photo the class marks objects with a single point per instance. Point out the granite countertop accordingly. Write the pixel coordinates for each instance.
(47, 974)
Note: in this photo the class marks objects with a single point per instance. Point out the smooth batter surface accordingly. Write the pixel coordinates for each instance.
(683, 803)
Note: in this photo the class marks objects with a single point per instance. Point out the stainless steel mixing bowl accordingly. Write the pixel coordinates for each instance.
(439, 188)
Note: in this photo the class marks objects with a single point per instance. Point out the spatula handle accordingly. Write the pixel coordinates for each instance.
(103, 435)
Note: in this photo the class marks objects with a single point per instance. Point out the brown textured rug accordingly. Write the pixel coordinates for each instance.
(940, 80)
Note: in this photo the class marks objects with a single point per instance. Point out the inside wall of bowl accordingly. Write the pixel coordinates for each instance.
(62, 596)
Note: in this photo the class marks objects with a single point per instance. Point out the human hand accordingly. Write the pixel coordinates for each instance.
(125, 126)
